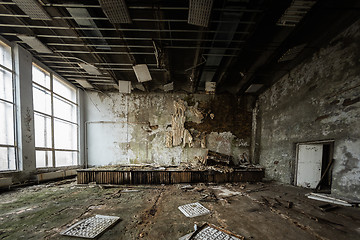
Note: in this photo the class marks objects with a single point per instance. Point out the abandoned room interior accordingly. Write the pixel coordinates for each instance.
(174, 119)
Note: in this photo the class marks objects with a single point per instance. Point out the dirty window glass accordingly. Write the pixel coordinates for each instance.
(56, 123)
(7, 107)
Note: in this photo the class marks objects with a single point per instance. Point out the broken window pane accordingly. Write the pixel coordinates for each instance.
(64, 158)
(65, 135)
(42, 131)
(42, 100)
(40, 76)
(64, 90)
(64, 109)
(6, 123)
(7, 158)
(44, 159)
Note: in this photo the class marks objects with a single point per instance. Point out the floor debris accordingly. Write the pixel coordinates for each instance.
(327, 198)
(91, 227)
(193, 210)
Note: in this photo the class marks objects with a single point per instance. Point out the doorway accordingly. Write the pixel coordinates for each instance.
(314, 162)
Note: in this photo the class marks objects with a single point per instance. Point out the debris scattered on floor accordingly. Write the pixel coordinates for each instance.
(193, 210)
(224, 192)
(327, 198)
(211, 232)
(129, 190)
(215, 158)
(328, 207)
(187, 187)
(91, 227)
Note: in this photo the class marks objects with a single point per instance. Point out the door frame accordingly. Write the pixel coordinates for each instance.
(329, 141)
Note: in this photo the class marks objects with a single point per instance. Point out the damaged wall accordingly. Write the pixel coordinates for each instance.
(135, 128)
(317, 100)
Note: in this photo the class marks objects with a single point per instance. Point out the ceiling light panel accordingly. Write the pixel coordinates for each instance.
(292, 53)
(33, 9)
(116, 11)
(89, 68)
(142, 72)
(84, 83)
(35, 44)
(293, 14)
(124, 86)
(199, 12)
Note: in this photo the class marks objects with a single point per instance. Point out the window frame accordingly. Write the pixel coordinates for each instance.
(52, 117)
(5, 43)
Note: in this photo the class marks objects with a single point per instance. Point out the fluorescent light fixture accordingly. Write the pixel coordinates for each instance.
(142, 72)
(35, 44)
(210, 87)
(253, 88)
(89, 68)
(295, 12)
(124, 86)
(84, 83)
(292, 53)
(116, 11)
(199, 12)
(169, 87)
(33, 9)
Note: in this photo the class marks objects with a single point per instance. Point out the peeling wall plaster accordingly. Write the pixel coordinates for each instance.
(317, 100)
(135, 128)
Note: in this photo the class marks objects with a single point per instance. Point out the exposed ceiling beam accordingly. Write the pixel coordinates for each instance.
(112, 29)
(126, 38)
(134, 19)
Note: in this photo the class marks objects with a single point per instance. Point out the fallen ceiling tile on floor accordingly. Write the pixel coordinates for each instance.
(194, 210)
(91, 227)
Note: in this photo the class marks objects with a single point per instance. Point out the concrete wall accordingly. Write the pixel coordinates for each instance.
(131, 128)
(317, 100)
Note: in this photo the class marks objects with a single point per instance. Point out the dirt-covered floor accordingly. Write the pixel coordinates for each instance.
(255, 211)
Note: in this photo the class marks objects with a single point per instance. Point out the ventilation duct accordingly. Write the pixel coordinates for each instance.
(33, 9)
(116, 11)
(35, 44)
(199, 12)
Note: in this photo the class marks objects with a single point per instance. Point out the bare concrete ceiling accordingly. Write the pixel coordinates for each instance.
(243, 44)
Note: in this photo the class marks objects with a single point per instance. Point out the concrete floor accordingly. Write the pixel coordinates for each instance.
(255, 211)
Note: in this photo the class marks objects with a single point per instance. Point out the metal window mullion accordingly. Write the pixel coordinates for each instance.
(7, 145)
(39, 85)
(7, 69)
(67, 150)
(57, 118)
(52, 121)
(67, 100)
(6, 101)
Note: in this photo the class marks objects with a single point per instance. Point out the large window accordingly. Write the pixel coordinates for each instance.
(7, 113)
(56, 124)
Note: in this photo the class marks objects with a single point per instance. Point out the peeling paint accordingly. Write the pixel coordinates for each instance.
(289, 113)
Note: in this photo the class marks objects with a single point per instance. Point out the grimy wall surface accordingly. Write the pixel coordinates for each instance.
(132, 128)
(318, 100)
